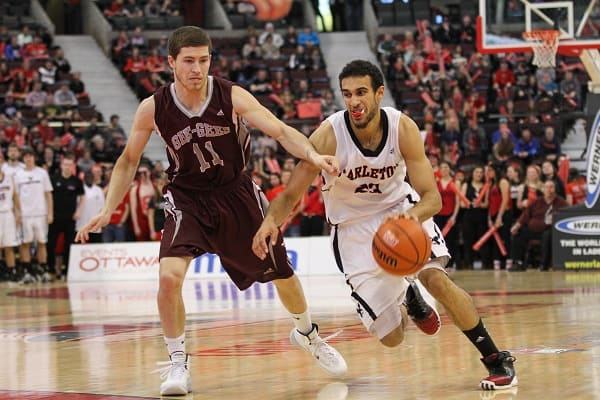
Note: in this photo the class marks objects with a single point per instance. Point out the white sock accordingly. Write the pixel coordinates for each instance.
(302, 322)
(176, 347)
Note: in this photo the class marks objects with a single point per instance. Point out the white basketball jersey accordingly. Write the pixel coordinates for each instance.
(7, 189)
(371, 181)
(31, 187)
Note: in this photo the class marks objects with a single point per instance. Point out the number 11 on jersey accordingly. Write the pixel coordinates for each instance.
(204, 165)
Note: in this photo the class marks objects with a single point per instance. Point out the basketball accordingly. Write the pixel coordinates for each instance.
(401, 246)
(271, 10)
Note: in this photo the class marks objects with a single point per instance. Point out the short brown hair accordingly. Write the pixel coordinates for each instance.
(188, 36)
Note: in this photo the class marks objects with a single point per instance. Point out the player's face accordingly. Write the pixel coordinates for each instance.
(29, 160)
(13, 154)
(66, 167)
(191, 67)
(361, 101)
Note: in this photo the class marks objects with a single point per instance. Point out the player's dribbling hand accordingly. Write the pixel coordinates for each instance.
(95, 225)
(328, 163)
(404, 215)
(268, 231)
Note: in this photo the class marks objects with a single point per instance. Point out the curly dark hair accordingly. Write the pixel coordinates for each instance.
(363, 68)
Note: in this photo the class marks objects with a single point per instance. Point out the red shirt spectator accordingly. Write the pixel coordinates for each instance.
(448, 198)
(274, 192)
(46, 132)
(504, 76)
(135, 63)
(117, 216)
(313, 203)
(576, 191)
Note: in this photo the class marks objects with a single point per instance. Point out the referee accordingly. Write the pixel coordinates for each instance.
(68, 196)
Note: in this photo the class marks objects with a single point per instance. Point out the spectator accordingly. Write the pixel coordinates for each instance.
(576, 188)
(276, 39)
(48, 73)
(531, 189)
(37, 97)
(156, 208)
(24, 37)
(571, 90)
(503, 127)
(151, 9)
(536, 223)
(142, 191)
(550, 147)
(77, 86)
(138, 39)
(251, 49)
(308, 36)
(475, 141)
(498, 200)
(269, 50)
(527, 147)
(62, 64)
(262, 83)
(290, 40)
(549, 173)
(85, 162)
(475, 214)
(65, 97)
(68, 196)
(504, 148)
(313, 211)
(116, 230)
(450, 208)
(467, 31)
(93, 202)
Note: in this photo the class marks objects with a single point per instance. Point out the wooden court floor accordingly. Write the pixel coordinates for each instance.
(102, 340)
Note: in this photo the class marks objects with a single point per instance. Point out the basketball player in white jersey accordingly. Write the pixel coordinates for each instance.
(35, 192)
(9, 218)
(376, 147)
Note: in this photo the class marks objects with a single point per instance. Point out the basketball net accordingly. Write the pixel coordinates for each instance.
(545, 45)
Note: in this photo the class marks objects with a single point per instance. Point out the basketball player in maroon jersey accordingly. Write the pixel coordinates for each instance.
(210, 199)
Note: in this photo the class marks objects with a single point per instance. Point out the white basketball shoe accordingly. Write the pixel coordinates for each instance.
(327, 357)
(175, 375)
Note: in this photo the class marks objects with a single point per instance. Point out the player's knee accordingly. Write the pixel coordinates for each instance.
(394, 338)
(170, 281)
(436, 282)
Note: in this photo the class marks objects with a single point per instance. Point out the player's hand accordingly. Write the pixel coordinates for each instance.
(268, 231)
(329, 164)
(95, 225)
(406, 215)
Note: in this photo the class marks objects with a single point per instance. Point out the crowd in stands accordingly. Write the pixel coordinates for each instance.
(149, 14)
(493, 121)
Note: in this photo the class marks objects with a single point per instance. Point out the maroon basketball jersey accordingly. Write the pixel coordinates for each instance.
(206, 149)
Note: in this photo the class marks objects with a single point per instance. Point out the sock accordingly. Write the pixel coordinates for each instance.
(302, 322)
(27, 268)
(481, 339)
(176, 347)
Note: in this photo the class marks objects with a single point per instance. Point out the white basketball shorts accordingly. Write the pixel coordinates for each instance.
(35, 229)
(378, 294)
(8, 230)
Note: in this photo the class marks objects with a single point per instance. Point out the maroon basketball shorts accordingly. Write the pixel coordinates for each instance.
(222, 221)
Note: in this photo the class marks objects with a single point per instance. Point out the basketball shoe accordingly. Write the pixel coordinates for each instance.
(327, 357)
(175, 375)
(502, 371)
(425, 317)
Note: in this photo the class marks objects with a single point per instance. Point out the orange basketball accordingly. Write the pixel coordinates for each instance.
(401, 246)
(271, 10)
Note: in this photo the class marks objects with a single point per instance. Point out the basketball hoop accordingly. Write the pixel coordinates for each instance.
(545, 45)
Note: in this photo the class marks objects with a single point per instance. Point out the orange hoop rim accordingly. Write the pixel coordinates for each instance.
(544, 35)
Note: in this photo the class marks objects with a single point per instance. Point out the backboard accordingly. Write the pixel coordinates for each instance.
(500, 24)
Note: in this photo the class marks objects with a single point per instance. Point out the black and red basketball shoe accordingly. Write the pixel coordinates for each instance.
(502, 371)
(425, 317)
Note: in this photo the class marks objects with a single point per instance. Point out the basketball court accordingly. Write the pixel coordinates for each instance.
(102, 340)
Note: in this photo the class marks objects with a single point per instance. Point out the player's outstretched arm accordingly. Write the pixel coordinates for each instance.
(419, 170)
(303, 175)
(125, 168)
(246, 105)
